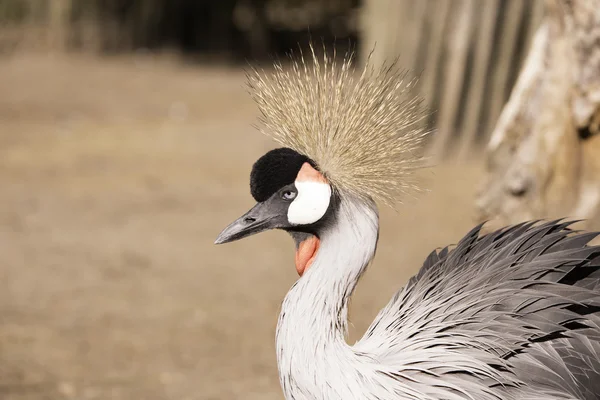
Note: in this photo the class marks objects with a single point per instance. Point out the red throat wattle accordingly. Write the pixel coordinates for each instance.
(306, 253)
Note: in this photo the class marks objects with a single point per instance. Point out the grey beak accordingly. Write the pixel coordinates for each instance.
(258, 219)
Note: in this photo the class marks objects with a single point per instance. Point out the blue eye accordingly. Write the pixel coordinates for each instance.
(288, 195)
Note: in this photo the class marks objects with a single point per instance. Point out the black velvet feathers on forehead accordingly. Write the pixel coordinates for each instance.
(274, 170)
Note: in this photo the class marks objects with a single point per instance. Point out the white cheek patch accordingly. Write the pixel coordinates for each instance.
(310, 204)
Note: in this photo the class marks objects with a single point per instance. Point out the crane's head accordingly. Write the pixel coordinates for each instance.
(344, 134)
(292, 195)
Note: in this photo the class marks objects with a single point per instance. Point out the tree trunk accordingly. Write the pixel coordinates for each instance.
(542, 155)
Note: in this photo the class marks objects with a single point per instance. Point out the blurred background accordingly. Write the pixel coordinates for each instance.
(126, 143)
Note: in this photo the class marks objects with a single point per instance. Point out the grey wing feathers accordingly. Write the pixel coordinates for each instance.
(511, 314)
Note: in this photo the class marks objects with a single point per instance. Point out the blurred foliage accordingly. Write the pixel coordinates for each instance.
(242, 28)
(14, 11)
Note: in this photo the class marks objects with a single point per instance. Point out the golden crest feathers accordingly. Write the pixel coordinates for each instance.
(364, 129)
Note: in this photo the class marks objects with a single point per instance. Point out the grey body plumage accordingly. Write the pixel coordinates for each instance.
(514, 314)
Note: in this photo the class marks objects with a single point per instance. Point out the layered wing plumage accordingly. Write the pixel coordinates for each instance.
(511, 314)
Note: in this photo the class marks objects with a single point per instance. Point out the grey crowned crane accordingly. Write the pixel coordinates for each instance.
(513, 314)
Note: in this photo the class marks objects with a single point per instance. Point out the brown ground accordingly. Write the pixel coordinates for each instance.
(116, 176)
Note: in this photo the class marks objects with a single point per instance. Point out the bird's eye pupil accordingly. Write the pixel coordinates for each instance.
(289, 195)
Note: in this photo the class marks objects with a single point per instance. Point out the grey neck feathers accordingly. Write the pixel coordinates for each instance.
(313, 322)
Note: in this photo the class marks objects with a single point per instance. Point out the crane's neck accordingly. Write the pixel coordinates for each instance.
(312, 325)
